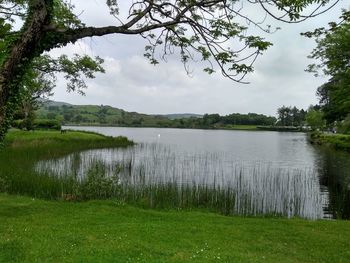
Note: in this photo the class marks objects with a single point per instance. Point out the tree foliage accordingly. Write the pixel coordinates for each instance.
(333, 56)
(291, 116)
(207, 30)
(40, 79)
(315, 119)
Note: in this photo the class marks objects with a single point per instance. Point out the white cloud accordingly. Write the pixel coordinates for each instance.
(133, 84)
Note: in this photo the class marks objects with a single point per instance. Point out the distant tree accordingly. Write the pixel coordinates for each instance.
(102, 114)
(210, 119)
(284, 116)
(314, 118)
(53, 108)
(67, 116)
(344, 126)
(78, 118)
(51, 116)
(291, 116)
(302, 117)
(137, 122)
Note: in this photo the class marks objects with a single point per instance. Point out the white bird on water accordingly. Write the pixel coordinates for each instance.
(158, 135)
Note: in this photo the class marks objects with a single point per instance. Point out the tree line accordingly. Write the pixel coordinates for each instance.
(107, 115)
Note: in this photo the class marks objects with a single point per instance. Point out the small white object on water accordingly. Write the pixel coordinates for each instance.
(158, 135)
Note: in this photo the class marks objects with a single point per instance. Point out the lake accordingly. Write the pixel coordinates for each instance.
(236, 172)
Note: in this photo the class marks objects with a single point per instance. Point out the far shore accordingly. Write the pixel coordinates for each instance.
(229, 127)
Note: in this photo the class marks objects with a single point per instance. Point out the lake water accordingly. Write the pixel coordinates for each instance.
(248, 172)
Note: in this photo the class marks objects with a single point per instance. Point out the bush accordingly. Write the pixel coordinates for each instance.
(17, 124)
(37, 124)
(47, 124)
(97, 184)
(3, 185)
(344, 126)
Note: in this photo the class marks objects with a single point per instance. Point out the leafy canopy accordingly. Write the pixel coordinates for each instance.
(333, 56)
(214, 31)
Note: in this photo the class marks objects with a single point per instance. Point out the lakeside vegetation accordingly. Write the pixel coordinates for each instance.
(337, 141)
(23, 149)
(47, 164)
(48, 140)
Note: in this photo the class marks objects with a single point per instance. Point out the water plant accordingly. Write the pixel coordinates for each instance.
(152, 175)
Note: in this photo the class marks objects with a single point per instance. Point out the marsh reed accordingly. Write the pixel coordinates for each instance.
(157, 176)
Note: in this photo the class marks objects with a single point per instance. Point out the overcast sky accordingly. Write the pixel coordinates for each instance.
(132, 84)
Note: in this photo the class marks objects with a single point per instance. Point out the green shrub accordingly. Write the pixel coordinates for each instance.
(44, 124)
(17, 124)
(47, 124)
(3, 185)
(97, 184)
(344, 126)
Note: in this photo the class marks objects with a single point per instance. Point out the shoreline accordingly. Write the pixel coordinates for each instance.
(231, 128)
(335, 141)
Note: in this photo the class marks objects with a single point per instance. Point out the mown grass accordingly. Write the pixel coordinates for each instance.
(33, 230)
(337, 141)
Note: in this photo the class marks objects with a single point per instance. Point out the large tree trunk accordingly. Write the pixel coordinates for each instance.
(19, 57)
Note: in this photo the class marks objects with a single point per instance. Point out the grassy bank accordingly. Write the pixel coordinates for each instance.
(55, 140)
(241, 127)
(24, 149)
(33, 230)
(337, 141)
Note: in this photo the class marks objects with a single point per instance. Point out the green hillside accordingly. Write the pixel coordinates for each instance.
(102, 115)
(97, 115)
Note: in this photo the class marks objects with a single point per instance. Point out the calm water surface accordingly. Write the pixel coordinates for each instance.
(267, 172)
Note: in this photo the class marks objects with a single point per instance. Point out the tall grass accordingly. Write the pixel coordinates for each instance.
(25, 149)
(154, 176)
(56, 166)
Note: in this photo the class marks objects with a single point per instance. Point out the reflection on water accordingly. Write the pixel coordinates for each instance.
(334, 173)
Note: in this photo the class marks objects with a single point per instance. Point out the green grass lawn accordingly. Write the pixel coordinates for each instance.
(33, 230)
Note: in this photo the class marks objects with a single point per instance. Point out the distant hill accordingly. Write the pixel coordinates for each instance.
(55, 103)
(97, 115)
(102, 115)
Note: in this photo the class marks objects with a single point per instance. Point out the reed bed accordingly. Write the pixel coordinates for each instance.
(157, 176)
